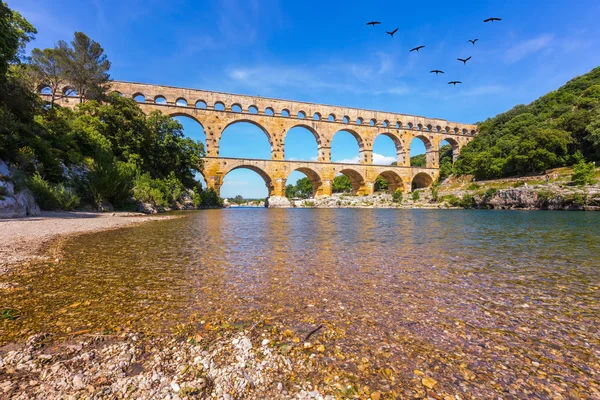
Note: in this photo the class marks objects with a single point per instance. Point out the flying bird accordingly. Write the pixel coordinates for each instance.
(473, 41)
(437, 71)
(464, 60)
(392, 32)
(454, 83)
(492, 19)
(416, 48)
(373, 23)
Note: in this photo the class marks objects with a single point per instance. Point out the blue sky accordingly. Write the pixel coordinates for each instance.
(322, 51)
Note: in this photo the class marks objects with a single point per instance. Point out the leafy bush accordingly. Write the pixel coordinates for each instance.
(416, 196)
(473, 186)
(110, 180)
(434, 192)
(583, 173)
(52, 197)
(468, 201)
(518, 184)
(397, 196)
(148, 190)
(490, 192)
(206, 198)
(451, 200)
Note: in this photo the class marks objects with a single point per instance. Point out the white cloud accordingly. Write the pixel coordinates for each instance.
(378, 159)
(527, 48)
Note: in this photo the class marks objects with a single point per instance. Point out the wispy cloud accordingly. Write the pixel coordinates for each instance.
(379, 78)
(527, 48)
(378, 159)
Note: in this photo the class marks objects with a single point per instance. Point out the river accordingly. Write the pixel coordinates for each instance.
(502, 302)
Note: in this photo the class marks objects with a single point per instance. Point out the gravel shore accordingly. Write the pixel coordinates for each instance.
(26, 238)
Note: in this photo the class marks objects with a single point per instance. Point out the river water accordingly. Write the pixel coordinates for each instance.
(489, 302)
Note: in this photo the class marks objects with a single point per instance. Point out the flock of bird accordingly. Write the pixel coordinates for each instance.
(437, 71)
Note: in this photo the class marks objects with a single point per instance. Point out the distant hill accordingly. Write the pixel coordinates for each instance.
(555, 130)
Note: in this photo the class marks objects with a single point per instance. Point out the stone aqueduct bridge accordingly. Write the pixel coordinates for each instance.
(216, 111)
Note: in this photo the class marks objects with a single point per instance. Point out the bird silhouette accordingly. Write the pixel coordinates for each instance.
(416, 48)
(492, 19)
(473, 41)
(454, 83)
(392, 32)
(373, 23)
(464, 60)
(437, 71)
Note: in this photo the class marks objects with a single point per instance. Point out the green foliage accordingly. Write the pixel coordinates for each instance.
(518, 184)
(446, 167)
(52, 197)
(544, 134)
(9, 313)
(237, 199)
(380, 185)
(473, 186)
(85, 65)
(420, 160)
(490, 192)
(110, 180)
(15, 33)
(583, 173)
(303, 189)
(397, 196)
(434, 192)
(341, 184)
(416, 195)
(467, 201)
(158, 192)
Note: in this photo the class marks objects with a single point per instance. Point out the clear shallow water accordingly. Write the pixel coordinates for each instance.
(485, 301)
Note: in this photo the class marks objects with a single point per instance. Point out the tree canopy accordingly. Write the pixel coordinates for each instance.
(550, 132)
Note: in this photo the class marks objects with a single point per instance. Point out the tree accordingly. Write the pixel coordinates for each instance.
(238, 199)
(341, 184)
(304, 188)
(49, 69)
(583, 173)
(15, 33)
(86, 66)
(380, 185)
(419, 160)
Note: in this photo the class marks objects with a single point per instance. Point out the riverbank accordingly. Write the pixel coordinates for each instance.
(23, 239)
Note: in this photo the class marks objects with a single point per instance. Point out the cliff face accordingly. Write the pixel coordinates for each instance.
(546, 198)
(14, 205)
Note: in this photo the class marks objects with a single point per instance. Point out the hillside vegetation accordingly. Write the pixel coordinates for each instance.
(104, 151)
(559, 129)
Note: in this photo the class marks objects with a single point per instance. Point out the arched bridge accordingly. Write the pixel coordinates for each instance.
(216, 111)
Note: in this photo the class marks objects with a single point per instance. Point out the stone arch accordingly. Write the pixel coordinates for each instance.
(359, 141)
(69, 91)
(409, 125)
(139, 97)
(253, 109)
(314, 178)
(285, 112)
(200, 104)
(236, 107)
(346, 119)
(372, 122)
(400, 152)
(421, 180)
(359, 121)
(455, 146)
(393, 180)
(430, 151)
(269, 111)
(181, 102)
(317, 116)
(310, 129)
(385, 123)
(244, 120)
(301, 114)
(116, 92)
(356, 180)
(219, 106)
(331, 117)
(160, 99)
(262, 173)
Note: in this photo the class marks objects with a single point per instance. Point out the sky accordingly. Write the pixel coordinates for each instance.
(323, 52)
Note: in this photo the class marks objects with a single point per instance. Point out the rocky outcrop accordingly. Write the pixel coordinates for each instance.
(278, 202)
(15, 204)
(540, 198)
